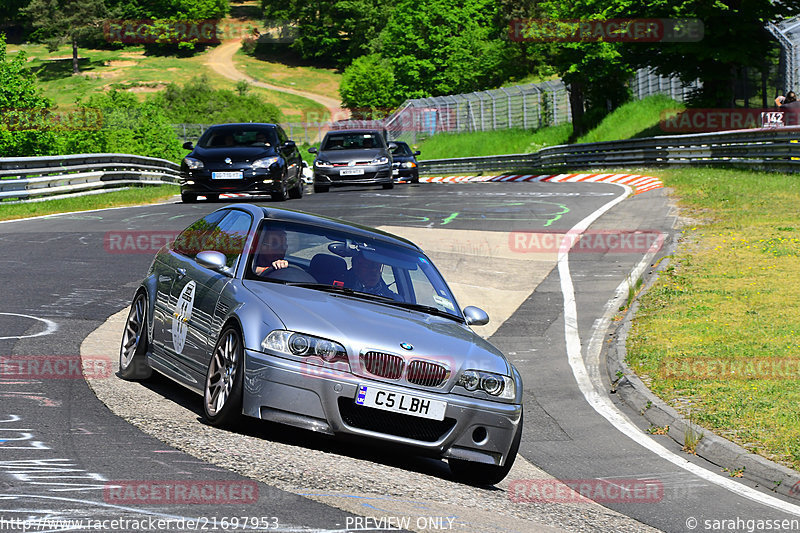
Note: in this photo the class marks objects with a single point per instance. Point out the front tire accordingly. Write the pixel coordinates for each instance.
(188, 198)
(388, 185)
(296, 192)
(483, 474)
(281, 194)
(320, 188)
(133, 350)
(222, 397)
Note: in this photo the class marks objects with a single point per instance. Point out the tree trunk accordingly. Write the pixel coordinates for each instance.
(576, 107)
(75, 56)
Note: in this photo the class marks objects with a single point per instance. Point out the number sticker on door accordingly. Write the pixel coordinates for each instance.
(181, 316)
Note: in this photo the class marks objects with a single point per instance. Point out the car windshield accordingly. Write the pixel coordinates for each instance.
(226, 137)
(338, 261)
(351, 141)
(402, 149)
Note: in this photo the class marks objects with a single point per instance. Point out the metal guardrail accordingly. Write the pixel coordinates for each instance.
(766, 149)
(29, 177)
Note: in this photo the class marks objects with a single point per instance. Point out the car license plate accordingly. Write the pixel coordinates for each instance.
(398, 402)
(352, 172)
(226, 175)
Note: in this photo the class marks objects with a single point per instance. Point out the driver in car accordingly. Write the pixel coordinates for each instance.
(365, 276)
(271, 252)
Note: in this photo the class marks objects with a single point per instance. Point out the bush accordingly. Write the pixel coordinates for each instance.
(198, 103)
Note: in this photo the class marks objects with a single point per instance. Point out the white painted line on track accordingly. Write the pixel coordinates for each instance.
(601, 403)
(168, 202)
(50, 327)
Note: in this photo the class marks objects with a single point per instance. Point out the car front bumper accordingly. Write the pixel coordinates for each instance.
(252, 181)
(322, 399)
(373, 175)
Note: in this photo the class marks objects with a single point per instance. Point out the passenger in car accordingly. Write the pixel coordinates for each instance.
(271, 251)
(365, 276)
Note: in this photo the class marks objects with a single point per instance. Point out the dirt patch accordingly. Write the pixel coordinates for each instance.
(149, 89)
(121, 63)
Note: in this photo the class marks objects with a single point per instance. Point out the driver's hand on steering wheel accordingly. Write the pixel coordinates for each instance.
(280, 263)
(276, 265)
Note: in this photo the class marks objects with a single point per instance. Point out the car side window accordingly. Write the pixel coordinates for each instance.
(282, 135)
(199, 235)
(231, 235)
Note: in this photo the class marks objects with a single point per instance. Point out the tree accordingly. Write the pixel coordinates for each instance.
(332, 31)
(60, 21)
(367, 87)
(596, 73)
(734, 37)
(437, 48)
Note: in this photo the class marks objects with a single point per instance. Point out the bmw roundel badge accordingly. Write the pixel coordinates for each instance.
(406, 346)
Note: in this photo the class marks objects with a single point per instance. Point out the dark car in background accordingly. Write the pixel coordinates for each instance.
(404, 163)
(251, 158)
(352, 157)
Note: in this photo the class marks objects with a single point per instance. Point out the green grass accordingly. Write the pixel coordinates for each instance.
(130, 69)
(514, 141)
(730, 296)
(267, 69)
(639, 118)
(133, 196)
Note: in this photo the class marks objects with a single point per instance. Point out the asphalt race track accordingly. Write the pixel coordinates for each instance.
(66, 448)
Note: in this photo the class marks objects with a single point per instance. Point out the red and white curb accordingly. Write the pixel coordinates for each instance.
(637, 182)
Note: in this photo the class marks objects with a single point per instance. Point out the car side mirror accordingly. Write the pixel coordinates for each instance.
(392, 146)
(312, 150)
(213, 260)
(188, 145)
(475, 316)
(416, 153)
(289, 144)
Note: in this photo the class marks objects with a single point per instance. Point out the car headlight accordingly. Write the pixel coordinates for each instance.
(265, 163)
(380, 160)
(193, 163)
(490, 383)
(302, 345)
(322, 163)
(409, 164)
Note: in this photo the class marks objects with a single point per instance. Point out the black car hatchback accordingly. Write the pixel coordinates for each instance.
(250, 158)
(404, 163)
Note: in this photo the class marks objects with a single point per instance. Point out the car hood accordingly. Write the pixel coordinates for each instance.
(343, 156)
(362, 325)
(236, 153)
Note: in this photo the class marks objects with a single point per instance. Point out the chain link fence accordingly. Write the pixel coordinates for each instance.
(528, 106)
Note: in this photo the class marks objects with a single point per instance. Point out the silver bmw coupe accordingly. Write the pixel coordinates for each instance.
(328, 326)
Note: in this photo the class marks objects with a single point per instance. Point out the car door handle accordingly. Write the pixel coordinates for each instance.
(181, 272)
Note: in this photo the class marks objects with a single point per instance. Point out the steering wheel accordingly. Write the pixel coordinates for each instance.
(292, 273)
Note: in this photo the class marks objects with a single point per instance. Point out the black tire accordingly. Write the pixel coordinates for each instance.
(415, 179)
(133, 349)
(222, 394)
(188, 198)
(483, 474)
(320, 188)
(388, 185)
(296, 192)
(212, 197)
(281, 194)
